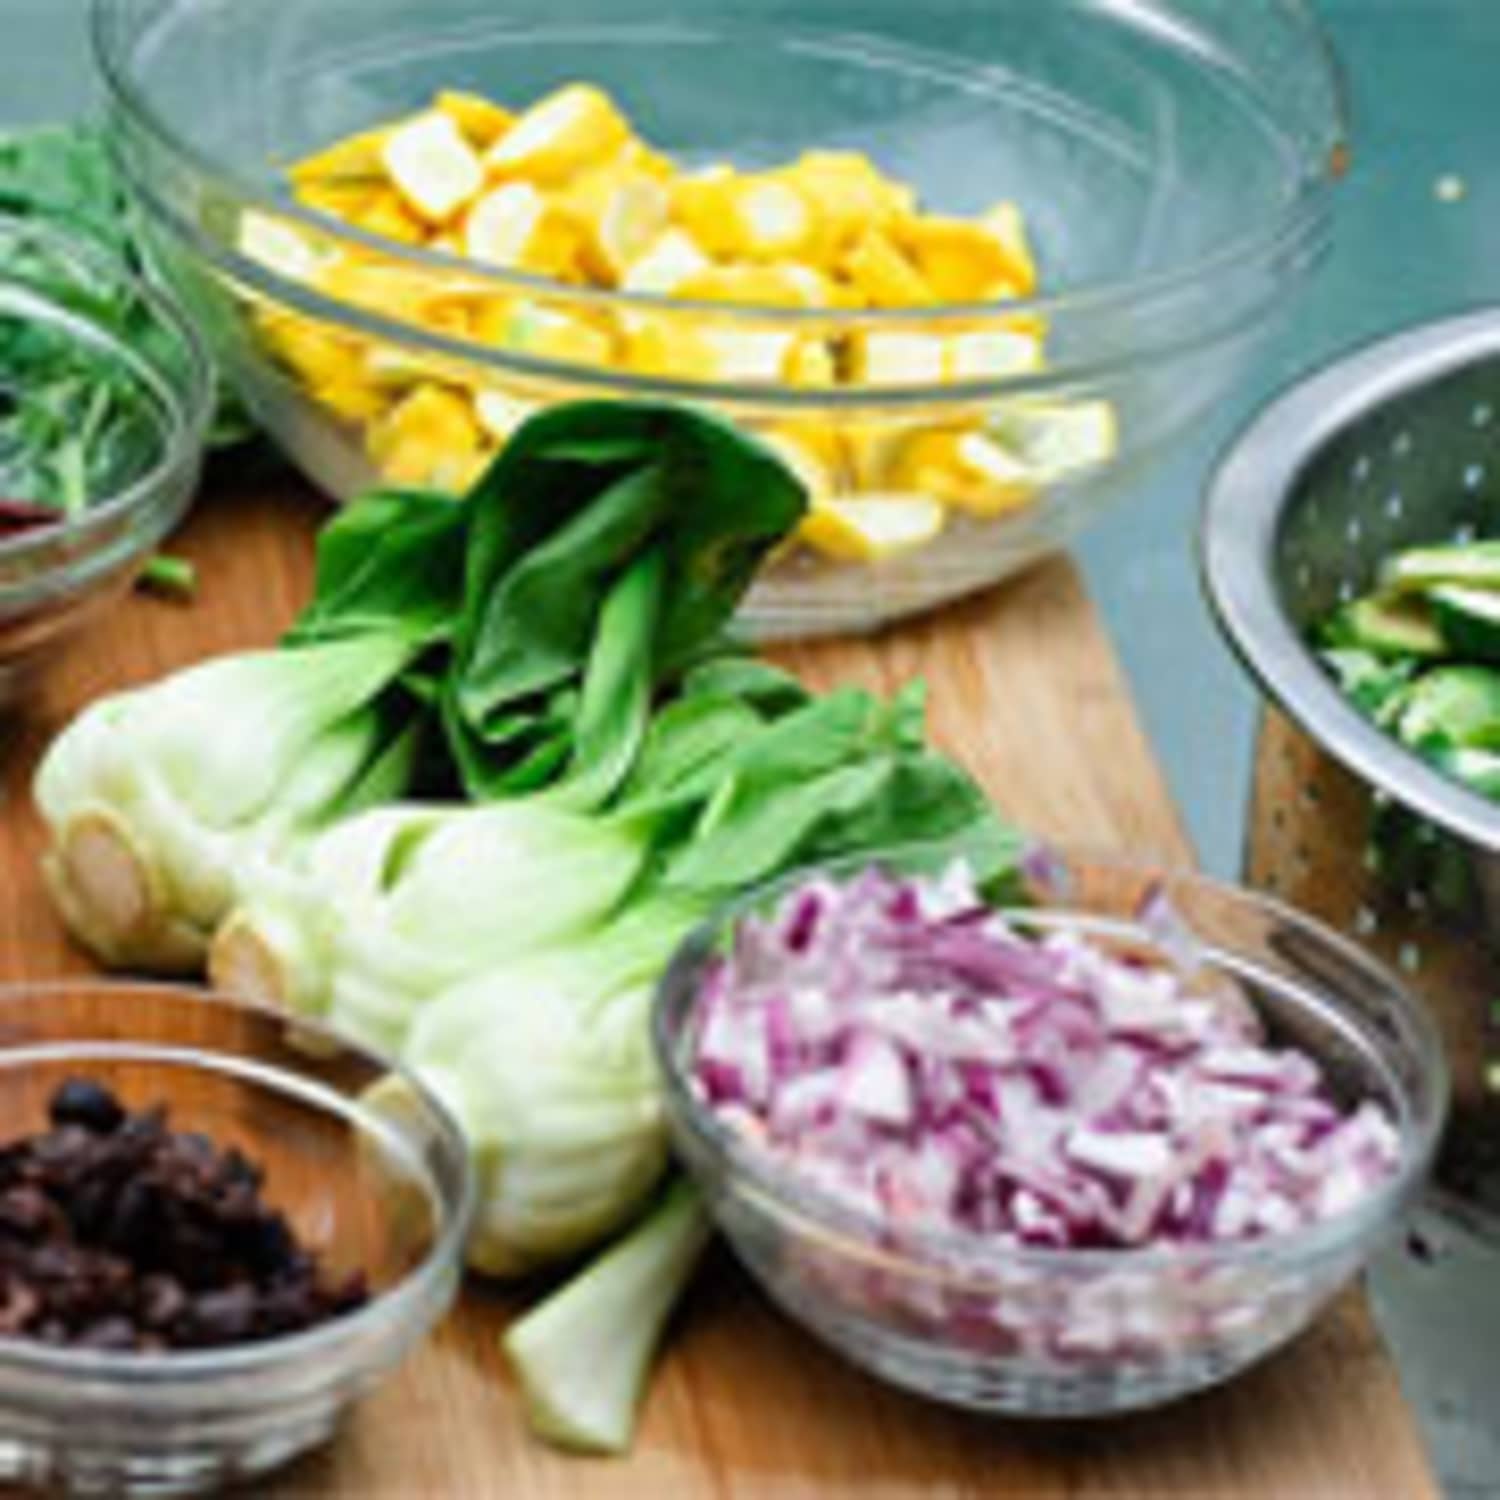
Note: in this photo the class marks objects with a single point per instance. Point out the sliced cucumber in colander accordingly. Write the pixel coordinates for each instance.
(1456, 706)
(1479, 770)
(1388, 627)
(1468, 619)
(1466, 565)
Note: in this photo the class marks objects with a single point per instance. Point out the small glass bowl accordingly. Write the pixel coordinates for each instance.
(1175, 163)
(369, 1169)
(1080, 1332)
(63, 290)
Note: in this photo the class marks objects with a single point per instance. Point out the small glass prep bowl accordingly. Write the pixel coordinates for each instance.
(1081, 1332)
(59, 290)
(373, 1182)
(1174, 161)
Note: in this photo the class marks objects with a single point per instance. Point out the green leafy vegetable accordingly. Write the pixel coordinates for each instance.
(627, 537)
(391, 562)
(64, 175)
(76, 422)
(173, 576)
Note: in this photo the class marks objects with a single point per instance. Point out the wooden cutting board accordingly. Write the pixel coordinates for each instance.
(1026, 691)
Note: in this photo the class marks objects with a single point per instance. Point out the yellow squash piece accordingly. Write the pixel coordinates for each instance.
(899, 359)
(385, 214)
(357, 159)
(663, 346)
(1056, 439)
(702, 204)
(500, 413)
(692, 351)
(346, 201)
(436, 171)
(545, 333)
(773, 221)
(571, 128)
(482, 121)
(993, 354)
(961, 261)
(883, 275)
(392, 369)
(352, 399)
(851, 198)
(812, 363)
(872, 528)
(673, 259)
(1005, 222)
(515, 227)
(279, 246)
(750, 285)
(872, 448)
(620, 213)
(397, 291)
(963, 469)
(317, 355)
(431, 437)
(804, 451)
(759, 217)
(747, 353)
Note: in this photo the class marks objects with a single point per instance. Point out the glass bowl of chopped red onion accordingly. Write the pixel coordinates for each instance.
(216, 1233)
(1085, 1143)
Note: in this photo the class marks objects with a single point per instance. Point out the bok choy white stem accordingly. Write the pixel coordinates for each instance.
(158, 799)
(583, 1355)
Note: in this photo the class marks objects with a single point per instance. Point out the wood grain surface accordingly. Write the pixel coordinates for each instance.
(1027, 692)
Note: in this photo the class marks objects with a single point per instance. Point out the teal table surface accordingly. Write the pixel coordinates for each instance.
(1425, 82)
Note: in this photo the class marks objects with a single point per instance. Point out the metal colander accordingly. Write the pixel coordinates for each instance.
(1396, 445)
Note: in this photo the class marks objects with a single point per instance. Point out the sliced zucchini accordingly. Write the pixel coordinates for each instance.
(1468, 565)
(1375, 684)
(1456, 706)
(1388, 627)
(1479, 770)
(1468, 619)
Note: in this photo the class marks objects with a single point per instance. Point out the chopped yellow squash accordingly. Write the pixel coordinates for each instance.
(482, 121)
(872, 527)
(571, 128)
(883, 274)
(430, 435)
(564, 190)
(433, 167)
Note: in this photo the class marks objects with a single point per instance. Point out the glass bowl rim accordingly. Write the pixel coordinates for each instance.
(1305, 210)
(392, 1306)
(964, 1257)
(187, 403)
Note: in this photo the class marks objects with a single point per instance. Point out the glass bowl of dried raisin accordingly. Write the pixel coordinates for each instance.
(217, 1230)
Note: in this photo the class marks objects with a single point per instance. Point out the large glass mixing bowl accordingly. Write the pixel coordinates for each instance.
(1173, 159)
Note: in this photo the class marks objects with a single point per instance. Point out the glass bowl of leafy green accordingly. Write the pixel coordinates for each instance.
(105, 400)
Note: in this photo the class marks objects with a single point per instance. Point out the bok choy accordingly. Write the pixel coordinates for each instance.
(159, 799)
(508, 643)
(500, 767)
(364, 923)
